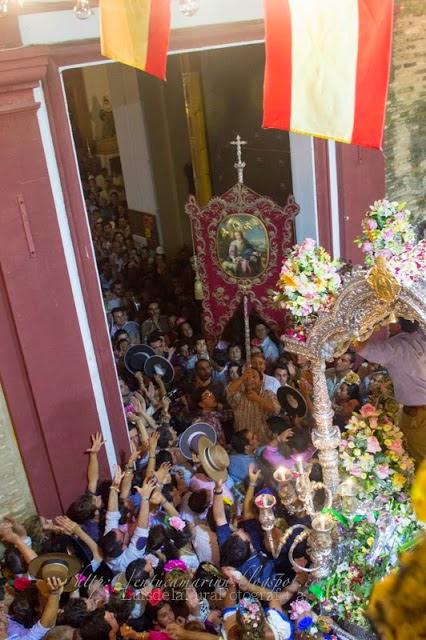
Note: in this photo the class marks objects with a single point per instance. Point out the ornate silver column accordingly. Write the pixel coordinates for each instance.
(325, 436)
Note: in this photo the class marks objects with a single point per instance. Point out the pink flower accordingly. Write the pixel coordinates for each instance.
(366, 247)
(356, 470)
(373, 423)
(371, 224)
(175, 565)
(298, 607)
(343, 444)
(177, 523)
(368, 411)
(373, 445)
(396, 446)
(382, 471)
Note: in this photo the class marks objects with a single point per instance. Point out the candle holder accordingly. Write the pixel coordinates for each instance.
(348, 495)
(266, 502)
(320, 545)
(298, 492)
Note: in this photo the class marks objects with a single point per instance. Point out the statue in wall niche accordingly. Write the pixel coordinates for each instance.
(107, 117)
(105, 134)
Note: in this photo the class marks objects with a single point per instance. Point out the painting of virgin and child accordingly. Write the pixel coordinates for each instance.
(242, 246)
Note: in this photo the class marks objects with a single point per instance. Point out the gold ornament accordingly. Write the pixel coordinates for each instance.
(382, 281)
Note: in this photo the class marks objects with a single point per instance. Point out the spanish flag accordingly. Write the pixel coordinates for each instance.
(327, 68)
(136, 32)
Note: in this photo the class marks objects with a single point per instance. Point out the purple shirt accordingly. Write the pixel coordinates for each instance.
(404, 356)
(16, 631)
(275, 459)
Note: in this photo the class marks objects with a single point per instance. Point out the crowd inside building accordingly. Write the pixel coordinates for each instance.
(163, 549)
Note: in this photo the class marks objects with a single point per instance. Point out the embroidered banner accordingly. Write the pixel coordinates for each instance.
(240, 239)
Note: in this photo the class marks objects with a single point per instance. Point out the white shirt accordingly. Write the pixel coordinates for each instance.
(270, 383)
(131, 552)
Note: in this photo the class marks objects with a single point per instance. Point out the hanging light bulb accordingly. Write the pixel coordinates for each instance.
(189, 7)
(82, 9)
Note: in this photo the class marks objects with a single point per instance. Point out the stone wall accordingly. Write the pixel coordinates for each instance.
(15, 495)
(405, 133)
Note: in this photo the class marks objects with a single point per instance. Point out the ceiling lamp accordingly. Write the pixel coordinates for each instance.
(189, 7)
(82, 9)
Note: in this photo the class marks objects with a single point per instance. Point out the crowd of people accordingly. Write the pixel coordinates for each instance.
(172, 547)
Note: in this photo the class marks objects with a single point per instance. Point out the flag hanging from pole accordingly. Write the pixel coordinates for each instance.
(136, 32)
(327, 68)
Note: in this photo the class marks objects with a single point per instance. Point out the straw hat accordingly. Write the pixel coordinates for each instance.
(56, 565)
(213, 458)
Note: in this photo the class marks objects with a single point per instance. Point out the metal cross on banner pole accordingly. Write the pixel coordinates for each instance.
(239, 165)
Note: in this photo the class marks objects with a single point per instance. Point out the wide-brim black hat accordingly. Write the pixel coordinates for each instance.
(136, 356)
(159, 366)
(292, 401)
(60, 565)
(189, 439)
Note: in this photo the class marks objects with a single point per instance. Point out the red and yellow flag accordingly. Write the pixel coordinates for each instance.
(136, 32)
(327, 68)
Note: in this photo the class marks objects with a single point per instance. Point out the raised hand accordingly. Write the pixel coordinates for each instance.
(7, 534)
(118, 476)
(153, 442)
(147, 488)
(253, 473)
(55, 585)
(17, 527)
(66, 525)
(163, 472)
(97, 443)
(135, 455)
(137, 405)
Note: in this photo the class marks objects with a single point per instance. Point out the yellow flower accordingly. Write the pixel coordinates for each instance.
(370, 541)
(287, 280)
(398, 480)
(388, 442)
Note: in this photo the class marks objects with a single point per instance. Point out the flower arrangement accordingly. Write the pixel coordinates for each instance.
(373, 456)
(308, 283)
(252, 617)
(372, 451)
(392, 609)
(386, 231)
(307, 624)
(410, 264)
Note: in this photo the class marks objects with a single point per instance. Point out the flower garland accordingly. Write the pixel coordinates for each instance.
(372, 451)
(386, 231)
(308, 283)
(372, 454)
(410, 264)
